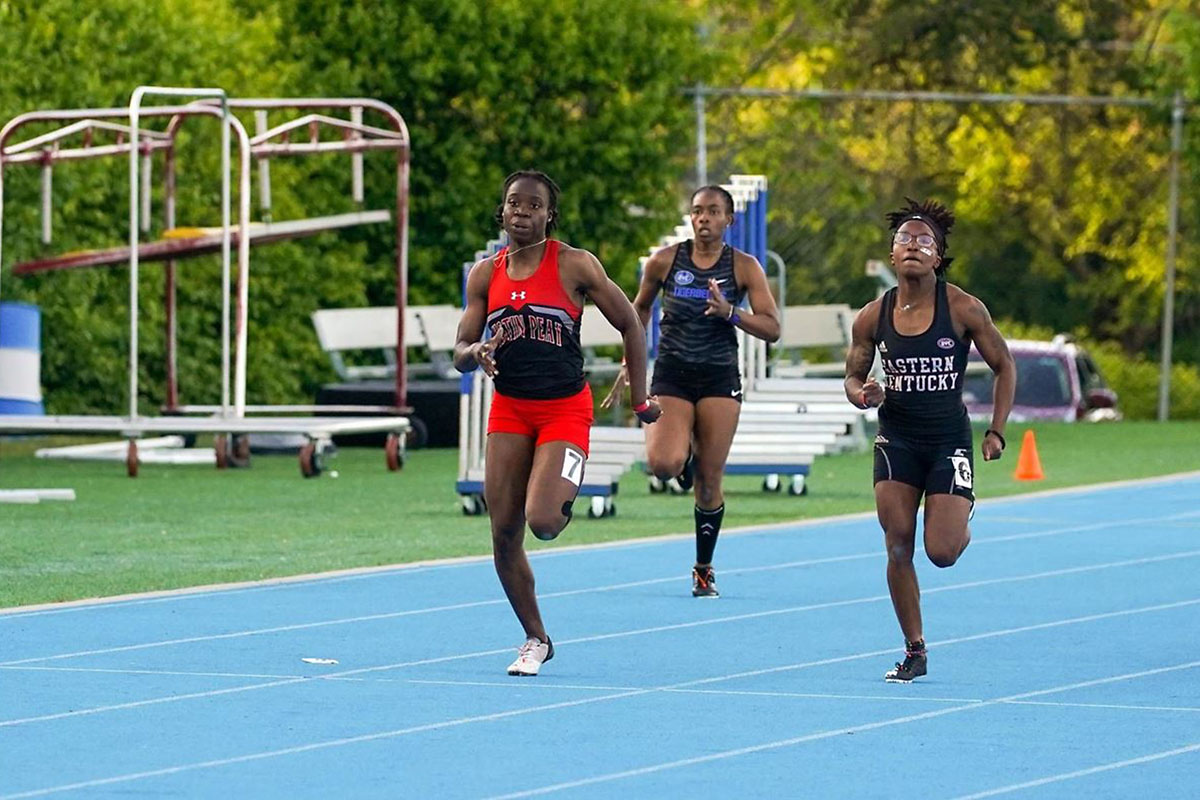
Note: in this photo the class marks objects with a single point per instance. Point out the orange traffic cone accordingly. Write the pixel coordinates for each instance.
(1029, 466)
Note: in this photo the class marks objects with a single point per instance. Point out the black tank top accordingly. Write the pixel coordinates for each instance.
(689, 337)
(924, 383)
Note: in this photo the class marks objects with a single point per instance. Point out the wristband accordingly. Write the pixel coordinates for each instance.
(734, 319)
(998, 435)
(645, 405)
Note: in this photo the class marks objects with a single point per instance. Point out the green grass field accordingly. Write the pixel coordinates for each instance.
(187, 526)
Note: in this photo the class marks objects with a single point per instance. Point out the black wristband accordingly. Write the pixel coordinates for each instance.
(998, 435)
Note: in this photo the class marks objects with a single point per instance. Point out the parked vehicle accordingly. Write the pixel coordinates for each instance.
(1056, 380)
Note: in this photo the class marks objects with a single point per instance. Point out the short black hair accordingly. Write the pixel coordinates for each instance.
(939, 219)
(721, 190)
(545, 180)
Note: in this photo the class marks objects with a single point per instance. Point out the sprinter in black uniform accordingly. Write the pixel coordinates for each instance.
(696, 378)
(923, 330)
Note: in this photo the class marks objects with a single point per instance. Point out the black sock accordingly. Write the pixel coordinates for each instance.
(708, 526)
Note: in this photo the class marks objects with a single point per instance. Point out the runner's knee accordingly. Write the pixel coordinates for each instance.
(547, 524)
(665, 467)
(900, 546)
(942, 557)
(945, 552)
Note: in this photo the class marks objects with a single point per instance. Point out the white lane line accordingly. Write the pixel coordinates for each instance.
(130, 671)
(874, 554)
(1113, 706)
(357, 573)
(643, 631)
(1066, 776)
(508, 685)
(568, 704)
(812, 737)
(733, 676)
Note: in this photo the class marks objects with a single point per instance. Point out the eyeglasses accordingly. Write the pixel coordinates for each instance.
(904, 237)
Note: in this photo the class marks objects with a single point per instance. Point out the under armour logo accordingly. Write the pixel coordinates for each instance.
(518, 295)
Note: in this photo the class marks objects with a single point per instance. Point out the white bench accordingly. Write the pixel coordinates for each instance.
(340, 330)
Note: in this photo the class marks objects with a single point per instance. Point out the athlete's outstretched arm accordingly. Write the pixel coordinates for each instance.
(991, 345)
(469, 351)
(861, 389)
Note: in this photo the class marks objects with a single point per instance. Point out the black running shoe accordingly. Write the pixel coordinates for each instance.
(913, 666)
(704, 582)
(686, 478)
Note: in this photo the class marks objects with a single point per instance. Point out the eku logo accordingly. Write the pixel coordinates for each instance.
(518, 295)
(946, 343)
(683, 278)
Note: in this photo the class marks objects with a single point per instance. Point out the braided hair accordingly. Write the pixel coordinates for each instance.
(939, 219)
(545, 180)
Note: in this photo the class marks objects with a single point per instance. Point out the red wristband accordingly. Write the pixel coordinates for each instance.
(640, 408)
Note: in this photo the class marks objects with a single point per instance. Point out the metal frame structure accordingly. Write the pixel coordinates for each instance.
(45, 150)
(1177, 103)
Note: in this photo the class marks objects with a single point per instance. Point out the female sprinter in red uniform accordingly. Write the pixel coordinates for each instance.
(696, 377)
(531, 295)
(923, 330)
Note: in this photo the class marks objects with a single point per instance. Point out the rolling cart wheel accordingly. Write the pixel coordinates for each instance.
(240, 454)
(596, 508)
(472, 505)
(393, 452)
(798, 486)
(656, 485)
(771, 483)
(221, 446)
(310, 461)
(131, 459)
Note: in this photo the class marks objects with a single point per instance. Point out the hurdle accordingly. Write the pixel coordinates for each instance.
(229, 420)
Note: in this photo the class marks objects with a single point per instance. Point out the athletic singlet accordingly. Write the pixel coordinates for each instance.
(688, 336)
(542, 359)
(924, 384)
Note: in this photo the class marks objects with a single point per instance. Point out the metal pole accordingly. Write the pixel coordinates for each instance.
(264, 166)
(134, 103)
(1168, 318)
(47, 190)
(701, 137)
(939, 97)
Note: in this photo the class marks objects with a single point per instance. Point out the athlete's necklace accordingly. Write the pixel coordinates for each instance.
(511, 253)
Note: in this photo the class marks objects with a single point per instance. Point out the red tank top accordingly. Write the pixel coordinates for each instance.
(542, 359)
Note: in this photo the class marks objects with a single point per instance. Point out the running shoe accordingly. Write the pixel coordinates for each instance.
(704, 582)
(530, 657)
(913, 666)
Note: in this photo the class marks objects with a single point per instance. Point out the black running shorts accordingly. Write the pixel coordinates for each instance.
(935, 468)
(692, 382)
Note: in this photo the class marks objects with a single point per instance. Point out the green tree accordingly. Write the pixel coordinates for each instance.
(1062, 210)
(587, 91)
